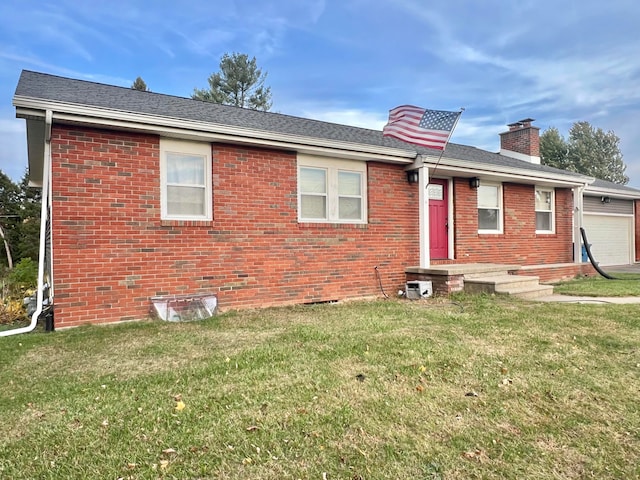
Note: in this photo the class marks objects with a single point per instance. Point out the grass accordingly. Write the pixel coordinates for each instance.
(488, 388)
(624, 285)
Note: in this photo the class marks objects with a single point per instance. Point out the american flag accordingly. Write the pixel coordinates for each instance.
(429, 128)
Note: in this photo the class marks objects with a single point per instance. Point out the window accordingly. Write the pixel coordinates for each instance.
(489, 208)
(313, 193)
(544, 210)
(185, 176)
(331, 190)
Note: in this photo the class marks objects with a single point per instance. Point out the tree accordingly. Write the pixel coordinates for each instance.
(19, 220)
(589, 151)
(9, 218)
(30, 198)
(139, 84)
(553, 149)
(239, 83)
(596, 153)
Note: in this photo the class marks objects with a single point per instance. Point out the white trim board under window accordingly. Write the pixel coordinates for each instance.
(545, 210)
(490, 208)
(331, 190)
(185, 180)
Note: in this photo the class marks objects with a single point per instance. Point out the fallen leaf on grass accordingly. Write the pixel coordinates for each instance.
(419, 388)
(179, 406)
(252, 428)
(477, 455)
(169, 451)
(164, 464)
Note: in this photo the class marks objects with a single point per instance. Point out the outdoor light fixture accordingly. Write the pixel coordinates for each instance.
(474, 182)
(413, 176)
(605, 199)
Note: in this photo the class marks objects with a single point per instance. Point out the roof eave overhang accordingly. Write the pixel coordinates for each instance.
(611, 192)
(503, 173)
(28, 107)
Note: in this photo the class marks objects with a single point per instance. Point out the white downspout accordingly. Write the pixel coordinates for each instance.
(46, 188)
(578, 203)
(423, 199)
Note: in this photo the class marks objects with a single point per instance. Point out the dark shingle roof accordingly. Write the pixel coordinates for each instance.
(476, 155)
(60, 89)
(604, 184)
(50, 87)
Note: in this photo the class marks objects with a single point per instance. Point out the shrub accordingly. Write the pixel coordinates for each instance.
(17, 283)
(24, 275)
(11, 311)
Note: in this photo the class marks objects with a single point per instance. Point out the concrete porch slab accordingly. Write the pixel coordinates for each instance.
(463, 269)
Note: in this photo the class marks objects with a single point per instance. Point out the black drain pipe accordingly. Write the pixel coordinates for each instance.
(587, 247)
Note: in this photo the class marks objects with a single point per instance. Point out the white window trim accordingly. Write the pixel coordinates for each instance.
(552, 211)
(170, 145)
(333, 166)
(500, 228)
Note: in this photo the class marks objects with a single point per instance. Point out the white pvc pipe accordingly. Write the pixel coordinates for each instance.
(46, 170)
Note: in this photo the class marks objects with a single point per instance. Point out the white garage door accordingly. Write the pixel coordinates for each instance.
(610, 238)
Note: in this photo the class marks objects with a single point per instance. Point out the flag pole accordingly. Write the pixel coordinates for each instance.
(455, 124)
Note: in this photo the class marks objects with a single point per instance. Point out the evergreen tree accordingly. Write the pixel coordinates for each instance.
(553, 149)
(239, 83)
(139, 84)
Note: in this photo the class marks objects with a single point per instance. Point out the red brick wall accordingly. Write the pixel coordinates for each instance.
(518, 244)
(112, 252)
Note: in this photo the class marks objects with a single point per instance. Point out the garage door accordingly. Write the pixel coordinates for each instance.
(610, 238)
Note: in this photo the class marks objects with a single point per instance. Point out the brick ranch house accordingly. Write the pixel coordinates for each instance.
(153, 195)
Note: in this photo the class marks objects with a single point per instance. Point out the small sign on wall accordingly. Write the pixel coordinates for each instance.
(435, 192)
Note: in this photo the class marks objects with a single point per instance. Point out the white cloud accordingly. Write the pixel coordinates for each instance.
(353, 117)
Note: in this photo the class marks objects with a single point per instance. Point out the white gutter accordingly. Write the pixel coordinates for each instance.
(46, 188)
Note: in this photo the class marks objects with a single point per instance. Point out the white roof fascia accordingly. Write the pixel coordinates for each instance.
(469, 167)
(27, 106)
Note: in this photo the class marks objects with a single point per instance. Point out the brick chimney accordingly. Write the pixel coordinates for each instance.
(522, 141)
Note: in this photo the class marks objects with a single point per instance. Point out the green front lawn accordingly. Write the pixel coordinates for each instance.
(487, 388)
(624, 285)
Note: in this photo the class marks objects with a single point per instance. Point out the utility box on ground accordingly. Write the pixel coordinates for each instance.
(418, 289)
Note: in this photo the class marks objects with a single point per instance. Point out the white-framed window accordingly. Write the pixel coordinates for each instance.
(489, 208)
(185, 180)
(331, 190)
(545, 207)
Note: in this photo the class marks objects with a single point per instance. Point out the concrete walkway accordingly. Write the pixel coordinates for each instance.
(610, 270)
(591, 300)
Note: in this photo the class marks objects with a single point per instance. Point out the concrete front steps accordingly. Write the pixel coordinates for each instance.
(521, 286)
(449, 278)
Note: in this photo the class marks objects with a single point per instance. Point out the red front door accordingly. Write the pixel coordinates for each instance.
(438, 218)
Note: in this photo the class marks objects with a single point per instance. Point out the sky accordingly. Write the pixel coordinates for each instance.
(349, 61)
